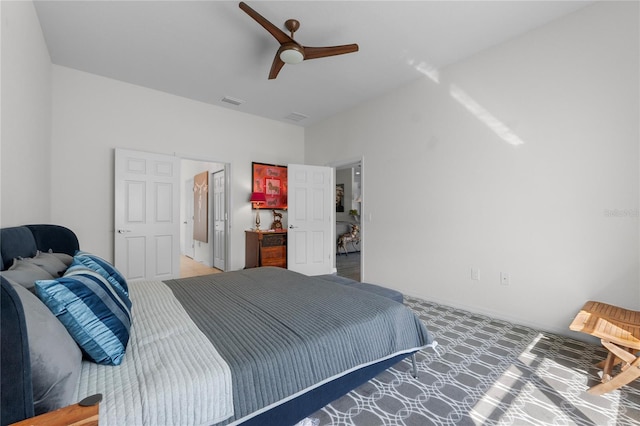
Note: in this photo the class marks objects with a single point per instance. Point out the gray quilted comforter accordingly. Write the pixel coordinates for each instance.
(283, 333)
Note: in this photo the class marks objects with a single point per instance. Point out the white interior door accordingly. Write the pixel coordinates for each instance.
(219, 213)
(147, 215)
(311, 215)
(188, 221)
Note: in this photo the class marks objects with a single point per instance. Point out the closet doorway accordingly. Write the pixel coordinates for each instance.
(349, 225)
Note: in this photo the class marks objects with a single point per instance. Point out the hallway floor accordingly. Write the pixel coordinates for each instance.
(348, 266)
(192, 268)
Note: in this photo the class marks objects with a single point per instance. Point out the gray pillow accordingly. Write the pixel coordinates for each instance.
(55, 357)
(25, 274)
(12, 282)
(49, 263)
(63, 257)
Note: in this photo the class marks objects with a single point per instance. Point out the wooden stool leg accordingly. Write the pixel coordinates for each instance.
(607, 367)
(627, 364)
(630, 371)
(601, 365)
(627, 376)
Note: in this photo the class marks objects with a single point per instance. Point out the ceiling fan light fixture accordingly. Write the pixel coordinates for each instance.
(290, 51)
(291, 56)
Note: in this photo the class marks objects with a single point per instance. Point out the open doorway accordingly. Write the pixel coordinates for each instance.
(203, 217)
(348, 223)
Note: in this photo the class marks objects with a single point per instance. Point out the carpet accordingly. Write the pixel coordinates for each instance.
(487, 371)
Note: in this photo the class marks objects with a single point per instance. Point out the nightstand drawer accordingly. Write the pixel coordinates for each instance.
(274, 256)
(274, 240)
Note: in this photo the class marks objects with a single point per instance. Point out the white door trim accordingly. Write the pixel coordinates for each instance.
(218, 233)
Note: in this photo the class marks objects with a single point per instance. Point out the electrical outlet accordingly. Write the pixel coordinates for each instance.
(505, 278)
(475, 274)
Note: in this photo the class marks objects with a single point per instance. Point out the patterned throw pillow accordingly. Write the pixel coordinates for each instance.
(101, 266)
(95, 313)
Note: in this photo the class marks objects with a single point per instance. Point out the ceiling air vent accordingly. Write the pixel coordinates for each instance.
(296, 116)
(232, 101)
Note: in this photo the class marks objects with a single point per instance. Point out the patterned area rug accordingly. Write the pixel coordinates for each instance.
(487, 372)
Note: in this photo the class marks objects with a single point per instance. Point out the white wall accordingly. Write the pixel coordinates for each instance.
(446, 193)
(26, 117)
(92, 115)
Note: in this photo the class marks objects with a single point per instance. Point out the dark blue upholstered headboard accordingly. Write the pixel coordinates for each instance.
(16, 393)
(24, 241)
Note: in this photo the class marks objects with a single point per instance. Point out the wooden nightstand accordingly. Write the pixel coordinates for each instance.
(266, 249)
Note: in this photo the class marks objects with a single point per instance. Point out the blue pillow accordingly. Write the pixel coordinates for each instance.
(94, 312)
(102, 267)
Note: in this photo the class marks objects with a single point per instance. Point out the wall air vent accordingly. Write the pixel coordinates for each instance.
(232, 101)
(296, 116)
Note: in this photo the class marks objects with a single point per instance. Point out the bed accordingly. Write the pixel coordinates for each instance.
(259, 346)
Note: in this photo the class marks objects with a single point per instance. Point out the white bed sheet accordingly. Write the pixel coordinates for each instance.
(171, 373)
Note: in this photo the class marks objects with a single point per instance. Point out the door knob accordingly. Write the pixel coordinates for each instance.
(291, 226)
(123, 231)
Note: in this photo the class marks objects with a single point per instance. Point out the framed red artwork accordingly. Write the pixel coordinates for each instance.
(272, 180)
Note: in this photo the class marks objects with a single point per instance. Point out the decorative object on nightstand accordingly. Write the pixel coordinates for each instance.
(277, 220)
(257, 198)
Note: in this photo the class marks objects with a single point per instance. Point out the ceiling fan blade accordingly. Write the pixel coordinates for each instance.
(276, 32)
(276, 66)
(322, 52)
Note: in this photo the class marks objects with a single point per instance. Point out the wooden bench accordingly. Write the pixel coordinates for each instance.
(619, 332)
(73, 415)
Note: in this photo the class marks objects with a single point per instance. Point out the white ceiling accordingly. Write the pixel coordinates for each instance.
(206, 50)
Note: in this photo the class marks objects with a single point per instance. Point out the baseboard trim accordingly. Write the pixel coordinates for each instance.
(515, 320)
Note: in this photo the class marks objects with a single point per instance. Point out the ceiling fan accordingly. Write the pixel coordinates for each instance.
(290, 51)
